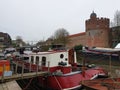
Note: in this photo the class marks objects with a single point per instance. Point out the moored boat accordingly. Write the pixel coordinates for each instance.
(102, 84)
(62, 66)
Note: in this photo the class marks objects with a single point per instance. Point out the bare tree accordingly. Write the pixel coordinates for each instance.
(61, 36)
(117, 18)
(116, 21)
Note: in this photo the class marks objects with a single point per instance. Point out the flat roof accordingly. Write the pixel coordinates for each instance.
(107, 50)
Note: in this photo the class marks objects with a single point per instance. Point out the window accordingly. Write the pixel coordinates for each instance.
(1, 39)
(32, 59)
(43, 61)
(66, 59)
(37, 60)
(26, 58)
(61, 56)
(89, 33)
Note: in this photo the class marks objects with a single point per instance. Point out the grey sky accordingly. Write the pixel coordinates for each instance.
(39, 19)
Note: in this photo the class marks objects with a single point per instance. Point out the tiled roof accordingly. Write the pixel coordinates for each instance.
(75, 35)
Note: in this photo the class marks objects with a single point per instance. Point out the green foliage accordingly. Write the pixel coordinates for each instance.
(45, 48)
(78, 47)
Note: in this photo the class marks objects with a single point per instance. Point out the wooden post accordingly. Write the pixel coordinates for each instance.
(83, 63)
(16, 67)
(83, 66)
(119, 55)
(3, 73)
(22, 70)
(30, 67)
(110, 63)
(37, 68)
(48, 66)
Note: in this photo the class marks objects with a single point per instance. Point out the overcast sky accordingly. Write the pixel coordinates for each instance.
(39, 19)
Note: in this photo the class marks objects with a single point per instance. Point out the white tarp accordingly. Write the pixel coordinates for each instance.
(118, 45)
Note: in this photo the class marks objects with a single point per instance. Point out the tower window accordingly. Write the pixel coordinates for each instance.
(89, 33)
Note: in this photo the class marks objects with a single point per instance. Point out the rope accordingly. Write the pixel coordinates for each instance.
(28, 84)
(58, 82)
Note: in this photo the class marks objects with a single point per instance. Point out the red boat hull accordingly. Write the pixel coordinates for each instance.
(69, 81)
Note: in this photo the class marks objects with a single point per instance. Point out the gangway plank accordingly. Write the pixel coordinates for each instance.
(22, 76)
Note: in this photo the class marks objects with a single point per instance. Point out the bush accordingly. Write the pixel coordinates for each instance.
(78, 47)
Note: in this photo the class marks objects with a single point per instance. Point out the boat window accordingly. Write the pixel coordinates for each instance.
(61, 55)
(43, 61)
(25, 58)
(32, 59)
(37, 60)
(65, 59)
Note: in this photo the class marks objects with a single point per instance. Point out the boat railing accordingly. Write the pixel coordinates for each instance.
(30, 67)
(8, 75)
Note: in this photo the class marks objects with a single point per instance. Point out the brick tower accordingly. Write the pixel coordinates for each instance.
(97, 31)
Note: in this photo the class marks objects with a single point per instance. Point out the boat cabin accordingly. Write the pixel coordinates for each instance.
(55, 58)
(51, 59)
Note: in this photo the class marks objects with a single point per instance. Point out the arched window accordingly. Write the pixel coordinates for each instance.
(32, 59)
(37, 60)
(43, 61)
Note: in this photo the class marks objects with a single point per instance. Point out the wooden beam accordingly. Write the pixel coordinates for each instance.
(24, 76)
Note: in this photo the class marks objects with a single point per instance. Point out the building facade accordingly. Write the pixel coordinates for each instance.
(76, 39)
(5, 40)
(97, 33)
(115, 36)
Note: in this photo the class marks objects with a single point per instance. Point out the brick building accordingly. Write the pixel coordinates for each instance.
(97, 33)
(5, 40)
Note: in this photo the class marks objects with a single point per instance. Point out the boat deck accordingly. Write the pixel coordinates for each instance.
(102, 84)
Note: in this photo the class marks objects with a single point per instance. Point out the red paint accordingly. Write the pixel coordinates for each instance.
(68, 81)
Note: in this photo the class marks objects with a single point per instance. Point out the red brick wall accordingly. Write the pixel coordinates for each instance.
(97, 38)
(76, 39)
(96, 34)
